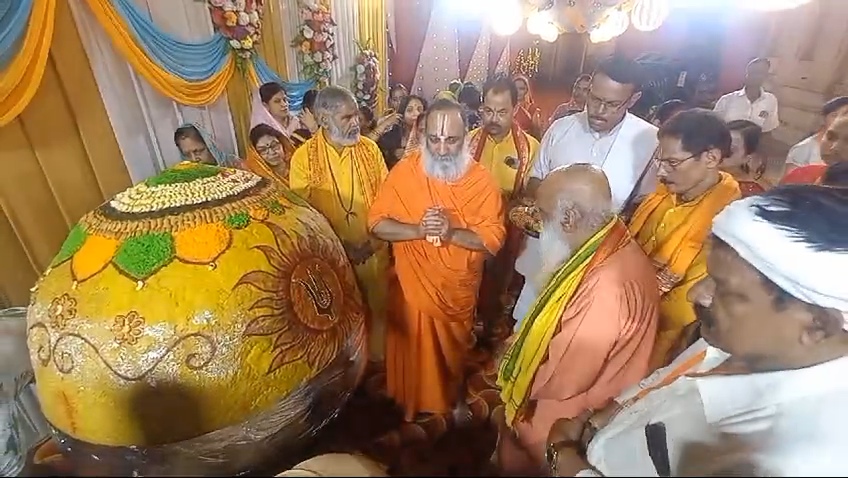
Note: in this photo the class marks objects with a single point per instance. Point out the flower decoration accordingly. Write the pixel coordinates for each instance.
(128, 328)
(316, 40)
(366, 76)
(240, 21)
(62, 309)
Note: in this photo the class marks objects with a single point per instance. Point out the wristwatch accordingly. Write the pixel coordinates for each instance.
(552, 453)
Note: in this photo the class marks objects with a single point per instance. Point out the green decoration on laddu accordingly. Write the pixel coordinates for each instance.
(274, 207)
(140, 256)
(239, 220)
(183, 175)
(72, 244)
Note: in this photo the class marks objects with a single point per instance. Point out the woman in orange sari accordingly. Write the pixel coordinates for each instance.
(745, 163)
(270, 153)
(527, 114)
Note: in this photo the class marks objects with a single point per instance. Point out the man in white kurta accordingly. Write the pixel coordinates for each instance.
(604, 135)
(752, 103)
(762, 393)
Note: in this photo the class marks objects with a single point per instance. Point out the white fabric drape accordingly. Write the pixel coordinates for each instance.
(503, 67)
(289, 13)
(439, 63)
(346, 15)
(143, 119)
(478, 68)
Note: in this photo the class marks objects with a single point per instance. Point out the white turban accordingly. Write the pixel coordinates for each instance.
(815, 277)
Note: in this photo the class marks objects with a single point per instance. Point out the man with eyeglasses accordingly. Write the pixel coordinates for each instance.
(605, 135)
(672, 224)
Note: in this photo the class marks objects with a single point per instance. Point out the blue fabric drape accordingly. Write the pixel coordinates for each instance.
(14, 18)
(191, 61)
(294, 91)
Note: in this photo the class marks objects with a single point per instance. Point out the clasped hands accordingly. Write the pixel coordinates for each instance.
(435, 225)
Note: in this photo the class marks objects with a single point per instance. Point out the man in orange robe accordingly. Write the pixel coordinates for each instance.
(673, 223)
(443, 213)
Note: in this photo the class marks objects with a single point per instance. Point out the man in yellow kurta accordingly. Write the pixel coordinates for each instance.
(673, 223)
(339, 173)
(506, 151)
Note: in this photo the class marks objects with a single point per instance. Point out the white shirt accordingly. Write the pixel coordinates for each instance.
(737, 106)
(805, 153)
(789, 423)
(623, 154)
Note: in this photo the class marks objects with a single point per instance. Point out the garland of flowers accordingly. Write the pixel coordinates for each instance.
(366, 76)
(316, 40)
(240, 22)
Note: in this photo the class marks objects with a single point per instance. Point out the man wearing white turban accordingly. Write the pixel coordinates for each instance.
(763, 392)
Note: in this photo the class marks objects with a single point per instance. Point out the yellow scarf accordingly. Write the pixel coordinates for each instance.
(518, 367)
(258, 166)
(363, 159)
(675, 255)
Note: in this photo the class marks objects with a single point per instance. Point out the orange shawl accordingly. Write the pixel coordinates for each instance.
(258, 166)
(677, 252)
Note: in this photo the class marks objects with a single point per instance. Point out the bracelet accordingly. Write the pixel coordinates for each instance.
(553, 450)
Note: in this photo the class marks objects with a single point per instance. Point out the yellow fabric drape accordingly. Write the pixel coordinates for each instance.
(60, 160)
(21, 79)
(188, 93)
(372, 27)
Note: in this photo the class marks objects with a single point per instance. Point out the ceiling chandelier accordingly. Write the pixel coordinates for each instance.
(603, 20)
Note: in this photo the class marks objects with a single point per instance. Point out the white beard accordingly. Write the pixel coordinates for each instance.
(554, 250)
(449, 168)
(337, 136)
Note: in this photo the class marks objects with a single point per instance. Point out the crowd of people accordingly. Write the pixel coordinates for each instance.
(673, 313)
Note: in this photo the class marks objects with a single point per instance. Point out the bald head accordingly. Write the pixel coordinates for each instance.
(578, 196)
(575, 203)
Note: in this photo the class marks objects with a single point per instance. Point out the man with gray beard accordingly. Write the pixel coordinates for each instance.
(338, 172)
(443, 214)
(590, 333)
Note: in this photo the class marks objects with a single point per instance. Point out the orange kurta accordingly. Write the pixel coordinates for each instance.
(608, 328)
(430, 330)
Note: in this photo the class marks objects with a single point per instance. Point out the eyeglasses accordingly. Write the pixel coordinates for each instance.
(602, 104)
(269, 148)
(674, 163)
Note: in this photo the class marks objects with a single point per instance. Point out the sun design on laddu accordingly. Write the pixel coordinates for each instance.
(309, 301)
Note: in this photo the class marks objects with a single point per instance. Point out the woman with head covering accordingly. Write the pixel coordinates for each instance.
(403, 137)
(270, 153)
(745, 163)
(271, 107)
(197, 145)
(527, 114)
